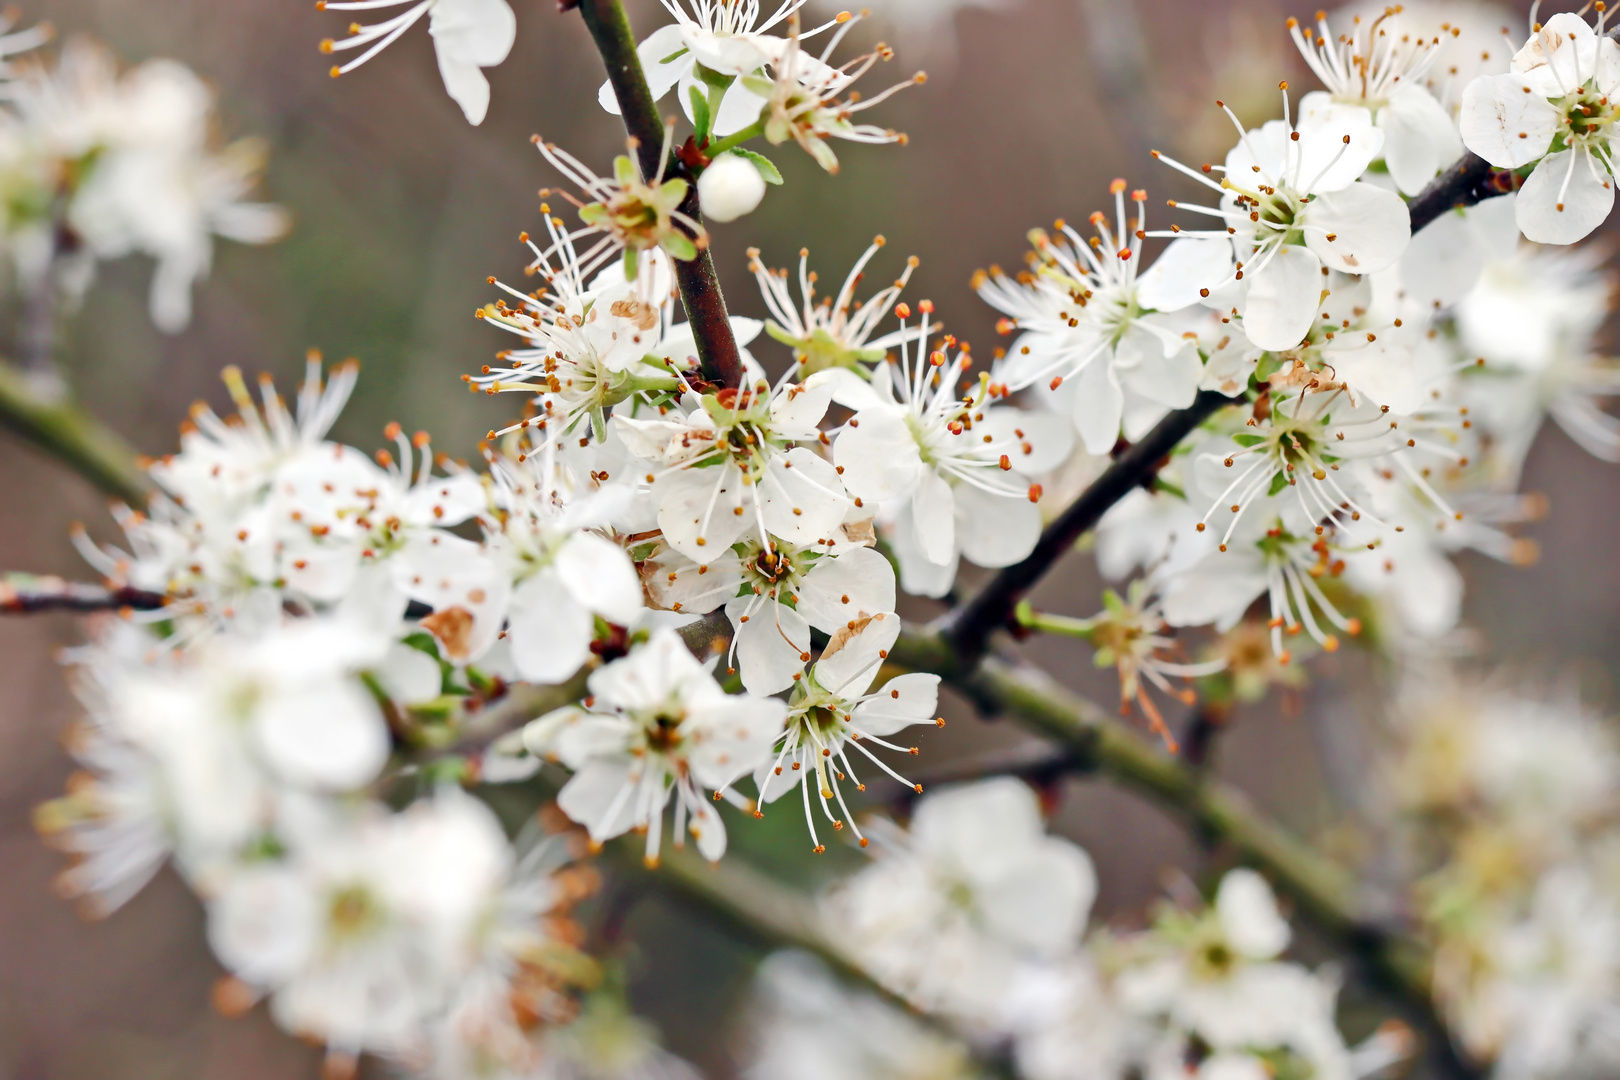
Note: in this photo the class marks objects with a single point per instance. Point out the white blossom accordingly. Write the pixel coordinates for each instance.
(1217, 976)
(1378, 68)
(1293, 207)
(835, 709)
(1091, 312)
(1554, 109)
(837, 331)
(657, 726)
(955, 472)
(807, 1026)
(468, 35)
(949, 910)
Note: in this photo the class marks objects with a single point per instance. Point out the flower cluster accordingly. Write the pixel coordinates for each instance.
(986, 925)
(1385, 387)
(98, 164)
(670, 594)
(323, 624)
(1509, 801)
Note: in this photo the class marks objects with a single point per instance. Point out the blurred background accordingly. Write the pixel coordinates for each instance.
(401, 211)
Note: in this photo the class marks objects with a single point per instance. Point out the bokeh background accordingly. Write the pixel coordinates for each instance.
(401, 212)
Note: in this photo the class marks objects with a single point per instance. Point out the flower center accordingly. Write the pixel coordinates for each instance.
(352, 912)
(1588, 117)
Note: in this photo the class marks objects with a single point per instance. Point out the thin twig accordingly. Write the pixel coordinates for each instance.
(718, 355)
(24, 594)
(65, 432)
(968, 629)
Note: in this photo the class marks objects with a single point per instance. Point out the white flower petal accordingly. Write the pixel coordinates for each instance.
(1283, 298)
(1041, 903)
(1044, 440)
(601, 577)
(409, 676)
(1098, 405)
(327, 735)
(477, 32)
(1370, 228)
(659, 45)
(903, 700)
(593, 792)
(849, 669)
(802, 498)
(995, 530)
(1142, 365)
(548, 630)
(857, 583)
(708, 831)
(933, 513)
(879, 456)
(1217, 589)
(1181, 270)
(771, 646)
(1505, 121)
(1249, 916)
(1419, 137)
(700, 505)
(466, 86)
(1569, 194)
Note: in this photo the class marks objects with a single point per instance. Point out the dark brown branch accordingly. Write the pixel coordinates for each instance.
(25, 594)
(718, 355)
(968, 629)
(1198, 742)
(1471, 180)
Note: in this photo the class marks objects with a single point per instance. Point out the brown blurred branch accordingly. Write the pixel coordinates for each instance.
(24, 594)
(705, 305)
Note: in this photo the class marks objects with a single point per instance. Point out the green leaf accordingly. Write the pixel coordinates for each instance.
(1244, 438)
(766, 168)
(676, 55)
(1278, 482)
(701, 120)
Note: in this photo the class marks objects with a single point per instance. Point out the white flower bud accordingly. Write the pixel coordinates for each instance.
(730, 188)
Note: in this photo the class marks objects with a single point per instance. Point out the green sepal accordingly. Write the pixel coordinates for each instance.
(702, 121)
(1278, 482)
(713, 78)
(766, 167)
(679, 246)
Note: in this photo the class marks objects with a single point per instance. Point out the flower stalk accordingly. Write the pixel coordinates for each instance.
(718, 354)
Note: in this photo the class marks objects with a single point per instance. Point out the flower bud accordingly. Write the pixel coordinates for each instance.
(729, 188)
